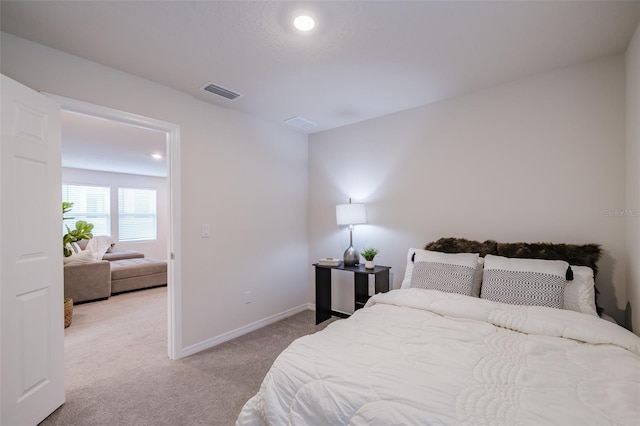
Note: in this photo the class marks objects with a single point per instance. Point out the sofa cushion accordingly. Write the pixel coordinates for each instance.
(85, 256)
(128, 268)
(122, 254)
(137, 274)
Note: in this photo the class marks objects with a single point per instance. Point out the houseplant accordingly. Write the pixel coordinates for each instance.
(82, 230)
(368, 255)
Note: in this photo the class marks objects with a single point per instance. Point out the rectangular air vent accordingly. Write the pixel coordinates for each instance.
(220, 91)
(299, 122)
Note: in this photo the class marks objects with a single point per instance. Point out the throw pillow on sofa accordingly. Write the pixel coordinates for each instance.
(85, 256)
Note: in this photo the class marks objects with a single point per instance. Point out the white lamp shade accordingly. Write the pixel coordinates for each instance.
(351, 214)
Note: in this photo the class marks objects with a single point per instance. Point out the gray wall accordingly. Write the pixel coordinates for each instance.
(633, 179)
(245, 177)
(539, 159)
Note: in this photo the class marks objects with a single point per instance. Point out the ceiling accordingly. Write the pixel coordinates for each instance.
(97, 144)
(362, 60)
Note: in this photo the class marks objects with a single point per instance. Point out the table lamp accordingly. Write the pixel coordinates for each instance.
(351, 214)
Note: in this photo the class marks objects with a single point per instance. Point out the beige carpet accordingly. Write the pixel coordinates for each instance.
(117, 371)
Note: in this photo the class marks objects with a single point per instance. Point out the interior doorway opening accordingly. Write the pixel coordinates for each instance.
(171, 136)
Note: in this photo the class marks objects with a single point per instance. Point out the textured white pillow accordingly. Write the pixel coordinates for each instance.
(579, 294)
(477, 278)
(532, 282)
(408, 272)
(85, 256)
(448, 272)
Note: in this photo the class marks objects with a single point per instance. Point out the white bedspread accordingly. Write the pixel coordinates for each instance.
(417, 357)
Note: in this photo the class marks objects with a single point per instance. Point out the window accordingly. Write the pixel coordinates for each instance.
(90, 203)
(137, 214)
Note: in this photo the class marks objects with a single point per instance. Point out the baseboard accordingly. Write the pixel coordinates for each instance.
(215, 341)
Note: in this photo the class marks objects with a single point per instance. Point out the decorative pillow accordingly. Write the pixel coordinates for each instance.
(532, 282)
(408, 272)
(451, 273)
(85, 256)
(579, 294)
(477, 277)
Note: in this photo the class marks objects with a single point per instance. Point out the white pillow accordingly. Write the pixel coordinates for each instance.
(532, 282)
(477, 278)
(448, 272)
(579, 294)
(85, 256)
(406, 282)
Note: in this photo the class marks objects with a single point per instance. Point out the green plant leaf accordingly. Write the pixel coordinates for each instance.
(66, 207)
(369, 253)
(82, 231)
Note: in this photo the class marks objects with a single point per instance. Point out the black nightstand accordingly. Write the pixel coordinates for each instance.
(360, 287)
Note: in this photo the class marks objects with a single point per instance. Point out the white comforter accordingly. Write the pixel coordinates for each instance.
(417, 357)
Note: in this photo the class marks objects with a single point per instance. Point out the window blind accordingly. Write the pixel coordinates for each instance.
(90, 203)
(137, 220)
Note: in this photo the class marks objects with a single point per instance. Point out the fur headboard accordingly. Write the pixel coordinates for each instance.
(578, 255)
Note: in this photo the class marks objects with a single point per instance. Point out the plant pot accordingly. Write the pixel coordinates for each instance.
(68, 311)
(369, 264)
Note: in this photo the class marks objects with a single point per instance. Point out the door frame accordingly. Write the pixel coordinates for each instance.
(174, 285)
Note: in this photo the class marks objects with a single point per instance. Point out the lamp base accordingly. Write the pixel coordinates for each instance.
(351, 257)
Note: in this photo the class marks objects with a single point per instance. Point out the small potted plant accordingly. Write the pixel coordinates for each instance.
(368, 255)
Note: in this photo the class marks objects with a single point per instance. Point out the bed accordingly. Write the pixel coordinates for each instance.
(424, 355)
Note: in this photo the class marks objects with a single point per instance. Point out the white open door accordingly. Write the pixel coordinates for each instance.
(31, 289)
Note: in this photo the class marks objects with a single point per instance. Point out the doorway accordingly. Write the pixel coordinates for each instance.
(172, 135)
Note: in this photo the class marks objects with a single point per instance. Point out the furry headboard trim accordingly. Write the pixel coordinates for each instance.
(461, 245)
(579, 255)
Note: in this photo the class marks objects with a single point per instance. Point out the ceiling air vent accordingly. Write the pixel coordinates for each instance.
(220, 91)
(299, 122)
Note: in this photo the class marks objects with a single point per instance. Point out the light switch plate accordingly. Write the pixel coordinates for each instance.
(206, 230)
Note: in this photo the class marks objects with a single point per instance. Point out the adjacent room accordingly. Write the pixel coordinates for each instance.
(114, 179)
(357, 203)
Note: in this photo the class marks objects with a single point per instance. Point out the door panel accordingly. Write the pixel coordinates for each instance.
(31, 289)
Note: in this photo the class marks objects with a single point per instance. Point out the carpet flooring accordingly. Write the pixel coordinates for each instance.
(117, 371)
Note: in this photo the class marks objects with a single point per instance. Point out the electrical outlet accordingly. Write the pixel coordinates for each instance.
(247, 297)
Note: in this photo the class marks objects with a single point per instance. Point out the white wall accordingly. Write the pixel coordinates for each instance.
(245, 177)
(633, 178)
(539, 159)
(157, 249)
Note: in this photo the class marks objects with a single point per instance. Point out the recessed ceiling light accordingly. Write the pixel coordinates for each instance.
(304, 23)
(157, 156)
